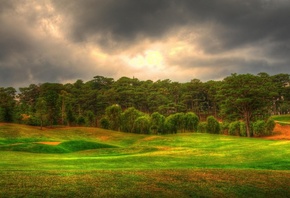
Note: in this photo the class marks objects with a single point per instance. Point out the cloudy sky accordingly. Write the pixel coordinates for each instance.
(65, 40)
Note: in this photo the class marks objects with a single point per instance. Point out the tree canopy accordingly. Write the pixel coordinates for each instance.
(129, 104)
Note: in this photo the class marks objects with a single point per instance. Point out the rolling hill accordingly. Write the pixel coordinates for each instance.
(80, 161)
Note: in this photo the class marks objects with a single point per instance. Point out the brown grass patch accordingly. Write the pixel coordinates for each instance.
(104, 138)
(149, 138)
(281, 132)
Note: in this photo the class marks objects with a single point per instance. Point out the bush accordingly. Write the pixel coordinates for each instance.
(33, 121)
(259, 128)
(225, 127)
(213, 125)
(243, 129)
(128, 118)
(90, 118)
(238, 128)
(179, 121)
(170, 124)
(234, 128)
(201, 127)
(105, 123)
(81, 120)
(157, 123)
(142, 125)
(191, 121)
(270, 125)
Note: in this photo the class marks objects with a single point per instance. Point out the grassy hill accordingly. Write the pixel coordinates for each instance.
(282, 119)
(86, 162)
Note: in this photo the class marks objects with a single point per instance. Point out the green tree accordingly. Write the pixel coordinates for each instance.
(51, 94)
(113, 114)
(213, 125)
(174, 123)
(157, 123)
(70, 115)
(41, 111)
(170, 124)
(7, 104)
(245, 97)
(191, 121)
(105, 123)
(90, 118)
(281, 83)
(142, 125)
(202, 127)
(81, 120)
(179, 121)
(28, 97)
(63, 97)
(128, 118)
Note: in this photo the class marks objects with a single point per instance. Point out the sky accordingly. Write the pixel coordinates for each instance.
(66, 40)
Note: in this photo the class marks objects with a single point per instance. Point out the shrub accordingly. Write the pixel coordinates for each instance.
(243, 129)
(170, 124)
(259, 128)
(157, 123)
(142, 125)
(90, 118)
(179, 121)
(270, 125)
(213, 125)
(234, 128)
(33, 121)
(201, 127)
(225, 127)
(113, 113)
(191, 121)
(128, 118)
(105, 123)
(81, 120)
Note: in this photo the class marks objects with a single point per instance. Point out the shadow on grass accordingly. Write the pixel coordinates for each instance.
(64, 147)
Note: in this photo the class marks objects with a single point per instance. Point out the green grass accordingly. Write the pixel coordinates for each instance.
(65, 147)
(91, 162)
(282, 119)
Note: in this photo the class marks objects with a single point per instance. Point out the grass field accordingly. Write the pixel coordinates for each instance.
(282, 119)
(91, 162)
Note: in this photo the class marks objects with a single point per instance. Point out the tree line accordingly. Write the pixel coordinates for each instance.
(163, 106)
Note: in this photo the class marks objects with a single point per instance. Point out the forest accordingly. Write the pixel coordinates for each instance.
(240, 104)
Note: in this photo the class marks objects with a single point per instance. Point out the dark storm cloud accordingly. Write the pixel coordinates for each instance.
(235, 22)
(63, 40)
(28, 53)
(120, 21)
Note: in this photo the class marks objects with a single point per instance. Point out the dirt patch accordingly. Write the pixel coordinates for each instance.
(150, 138)
(281, 132)
(50, 143)
(104, 138)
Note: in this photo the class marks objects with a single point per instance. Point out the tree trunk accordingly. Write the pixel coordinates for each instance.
(247, 119)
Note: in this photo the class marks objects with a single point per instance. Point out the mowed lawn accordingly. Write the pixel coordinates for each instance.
(91, 162)
(282, 119)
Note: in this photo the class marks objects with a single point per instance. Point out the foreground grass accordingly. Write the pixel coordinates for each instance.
(146, 183)
(100, 163)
